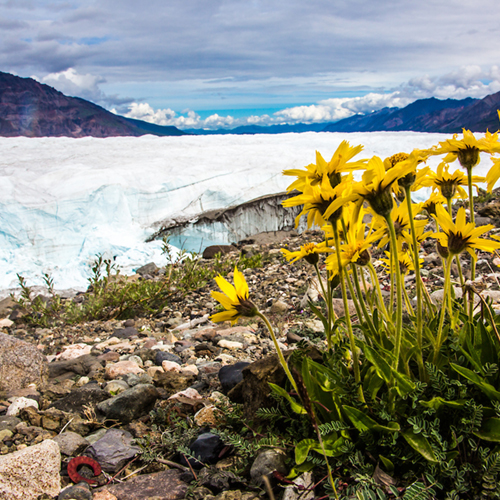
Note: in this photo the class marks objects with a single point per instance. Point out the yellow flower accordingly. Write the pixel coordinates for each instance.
(462, 236)
(234, 299)
(309, 252)
(317, 199)
(339, 164)
(401, 220)
(355, 250)
(375, 187)
(449, 184)
(411, 161)
(467, 149)
(493, 174)
(406, 263)
(434, 199)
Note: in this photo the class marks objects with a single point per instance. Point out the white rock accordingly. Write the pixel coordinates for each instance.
(137, 360)
(6, 323)
(187, 393)
(82, 381)
(74, 351)
(115, 370)
(171, 366)
(154, 369)
(29, 473)
(190, 370)
(229, 344)
(18, 404)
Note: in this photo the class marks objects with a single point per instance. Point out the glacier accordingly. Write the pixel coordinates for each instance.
(66, 200)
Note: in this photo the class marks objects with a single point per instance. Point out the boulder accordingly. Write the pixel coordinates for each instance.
(211, 251)
(32, 472)
(21, 364)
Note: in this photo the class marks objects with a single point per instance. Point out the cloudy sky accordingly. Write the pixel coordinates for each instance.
(213, 63)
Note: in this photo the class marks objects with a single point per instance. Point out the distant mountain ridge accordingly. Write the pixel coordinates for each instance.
(423, 115)
(31, 109)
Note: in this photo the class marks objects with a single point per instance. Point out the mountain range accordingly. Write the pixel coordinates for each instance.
(32, 109)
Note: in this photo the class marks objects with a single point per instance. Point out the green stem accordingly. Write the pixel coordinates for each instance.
(354, 349)
(416, 264)
(473, 262)
(368, 295)
(366, 314)
(376, 284)
(446, 292)
(399, 293)
(329, 307)
(281, 358)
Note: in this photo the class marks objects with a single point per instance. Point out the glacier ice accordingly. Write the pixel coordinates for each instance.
(65, 200)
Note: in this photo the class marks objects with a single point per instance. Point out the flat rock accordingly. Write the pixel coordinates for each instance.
(113, 450)
(29, 473)
(70, 443)
(77, 400)
(165, 485)
(122, 368)
(21, 364)
(130, 404)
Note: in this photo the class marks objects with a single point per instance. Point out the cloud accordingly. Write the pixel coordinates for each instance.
(72, 83)
(188, 119)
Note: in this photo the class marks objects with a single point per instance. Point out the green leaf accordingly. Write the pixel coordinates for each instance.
(294, 405)
(319, 315)
(490, 430)
(365, 423)
(437, 402)
(403, 383)
(420, 444)
(388, 465)
(488, 389)
(302, 450)
(383, 368)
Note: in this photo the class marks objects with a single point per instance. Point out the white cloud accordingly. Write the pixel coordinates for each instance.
(72, 83)
(188, 118)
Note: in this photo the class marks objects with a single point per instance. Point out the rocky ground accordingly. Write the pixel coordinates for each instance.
(88, 411)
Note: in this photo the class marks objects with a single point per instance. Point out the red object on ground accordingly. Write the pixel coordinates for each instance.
(73, 466)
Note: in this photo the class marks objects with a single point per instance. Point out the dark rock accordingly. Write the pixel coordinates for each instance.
(146, 354)
(211, 251)
(150, 268)
(133, 379)
(253, 391)
(129, 322)
(206, 448)
(266, 462)
(80, 491)
(166, 485)
(113, 450)
(21, 364)
(125, 333)
(130, 404)
(231, 375)
(76, 401)
(83, 365)
(166, 356)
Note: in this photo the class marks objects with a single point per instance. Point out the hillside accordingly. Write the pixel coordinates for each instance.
(31, 109)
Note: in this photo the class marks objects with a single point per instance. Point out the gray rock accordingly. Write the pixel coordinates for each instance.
(21, 364)
(130, 404)
(83, 365)
(125, 333)
(150, 268)
(293, 493)
(115, 387)
(71, 443)
(133, 379)
(8, 422)
(166, 485)
(162, 356)
(266, 462)
(113, 450)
